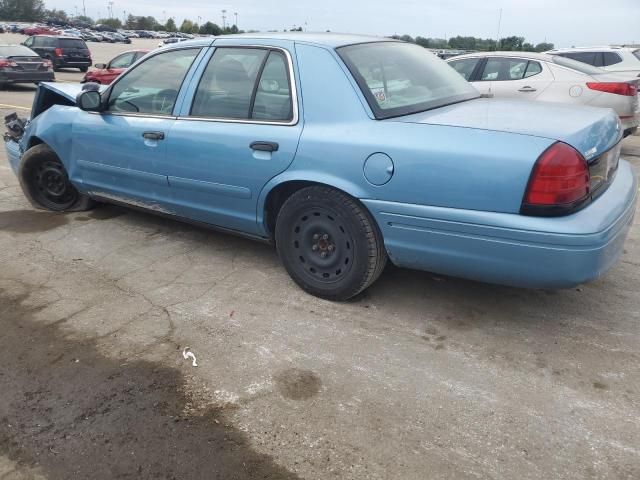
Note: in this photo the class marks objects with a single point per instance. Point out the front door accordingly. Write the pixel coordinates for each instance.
(120, 154)
(240, 130)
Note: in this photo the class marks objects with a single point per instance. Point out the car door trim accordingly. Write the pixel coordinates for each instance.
(292, 85)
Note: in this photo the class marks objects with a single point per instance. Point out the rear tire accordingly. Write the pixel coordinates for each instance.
(83, 69)
(46, 184)
(329, 243)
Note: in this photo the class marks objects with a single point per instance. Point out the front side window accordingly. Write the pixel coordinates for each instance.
(465, 66)
(123, 61)
(152, 86)
(398, 78)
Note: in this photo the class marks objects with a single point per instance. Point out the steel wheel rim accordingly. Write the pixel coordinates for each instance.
(51, 185)
(323, 245)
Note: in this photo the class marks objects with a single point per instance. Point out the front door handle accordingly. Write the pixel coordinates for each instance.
(527, 89)
(153, 135)
(265, 146)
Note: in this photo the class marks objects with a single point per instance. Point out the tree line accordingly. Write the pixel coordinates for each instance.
(512, 43)
(35, 11)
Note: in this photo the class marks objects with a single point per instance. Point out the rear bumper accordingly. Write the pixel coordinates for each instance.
(26, 77)
(511, 249)
(63, 62)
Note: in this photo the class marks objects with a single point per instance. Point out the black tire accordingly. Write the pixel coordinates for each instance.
(83, 69)
(329, 243)
(45, 183)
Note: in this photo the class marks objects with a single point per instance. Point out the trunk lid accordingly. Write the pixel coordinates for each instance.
(591, 131)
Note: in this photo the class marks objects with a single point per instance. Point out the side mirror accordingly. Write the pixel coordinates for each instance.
(100, 66)
(89, 101)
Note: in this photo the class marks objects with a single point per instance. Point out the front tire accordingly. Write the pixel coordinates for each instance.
(46, 184)
(329, 243)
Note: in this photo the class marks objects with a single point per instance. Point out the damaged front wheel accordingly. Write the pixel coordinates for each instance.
(46, 184)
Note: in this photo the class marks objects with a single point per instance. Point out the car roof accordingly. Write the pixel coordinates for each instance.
(543, 57)
(608, 48)
(332, 40)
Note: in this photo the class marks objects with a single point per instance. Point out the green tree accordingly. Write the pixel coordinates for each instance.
(22, 10)
(170, 26)
(195, 28)
(83, 19)
(543, 47)
(527, 47)
(210, 28)
(511, 43)
(57, 16)
(186, 27)
(110, 22)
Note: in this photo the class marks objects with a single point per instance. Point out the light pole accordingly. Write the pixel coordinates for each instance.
(224, 19)
(84, 9)
(236, 15)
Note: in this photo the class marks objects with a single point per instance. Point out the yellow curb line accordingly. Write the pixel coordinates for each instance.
(3, 105)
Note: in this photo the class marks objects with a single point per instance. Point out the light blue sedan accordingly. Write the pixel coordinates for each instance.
(344, 151)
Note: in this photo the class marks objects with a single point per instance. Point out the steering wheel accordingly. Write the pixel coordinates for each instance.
(164, 100)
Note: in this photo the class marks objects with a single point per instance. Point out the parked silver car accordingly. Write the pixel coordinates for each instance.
(551, 78)
(613, 59)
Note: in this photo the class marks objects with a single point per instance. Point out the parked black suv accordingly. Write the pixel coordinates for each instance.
(63, 51)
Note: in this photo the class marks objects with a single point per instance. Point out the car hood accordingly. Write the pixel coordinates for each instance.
(589, 130)
(49, 94)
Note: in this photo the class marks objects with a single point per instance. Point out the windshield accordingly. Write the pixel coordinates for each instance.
(576, 65)
(17, 51)
(400, 78)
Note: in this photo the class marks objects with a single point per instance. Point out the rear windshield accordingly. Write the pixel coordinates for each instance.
(400, 78)
(16, 51)
(72, 43)
(576, 65)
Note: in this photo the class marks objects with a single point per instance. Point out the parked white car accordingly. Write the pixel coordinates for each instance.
(551, 78)
(613, 59)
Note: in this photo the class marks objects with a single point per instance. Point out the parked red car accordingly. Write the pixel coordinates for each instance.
(106, 73)
(39, 30)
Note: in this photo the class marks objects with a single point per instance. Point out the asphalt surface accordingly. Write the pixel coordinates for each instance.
(422, 376)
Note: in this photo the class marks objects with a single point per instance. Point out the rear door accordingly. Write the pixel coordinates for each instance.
(512, 77)
(239, 128)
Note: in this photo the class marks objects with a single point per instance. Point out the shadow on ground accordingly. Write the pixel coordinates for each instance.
(72, 413)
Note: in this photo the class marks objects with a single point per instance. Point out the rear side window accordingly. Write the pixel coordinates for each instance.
(245, 84)
(591, 58)
(72, 43)
(501, 69)
(637, 54)
(610, 58)
(465, 66)
(227, 84)
(533, 68)
(152, 86)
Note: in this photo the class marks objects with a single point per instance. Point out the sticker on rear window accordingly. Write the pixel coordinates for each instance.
(379, 94)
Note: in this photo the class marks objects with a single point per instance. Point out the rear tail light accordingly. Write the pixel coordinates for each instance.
(559, 182)
(58, 52)
(619, 88)
(7, 63)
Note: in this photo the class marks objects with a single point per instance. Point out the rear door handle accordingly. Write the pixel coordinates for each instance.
(527, 89)
(265, 146)
(153, 135)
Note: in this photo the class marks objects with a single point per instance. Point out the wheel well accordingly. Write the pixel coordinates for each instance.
(277, 197)
(33, 141)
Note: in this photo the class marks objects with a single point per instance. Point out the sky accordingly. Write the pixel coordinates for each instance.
(562, 22)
